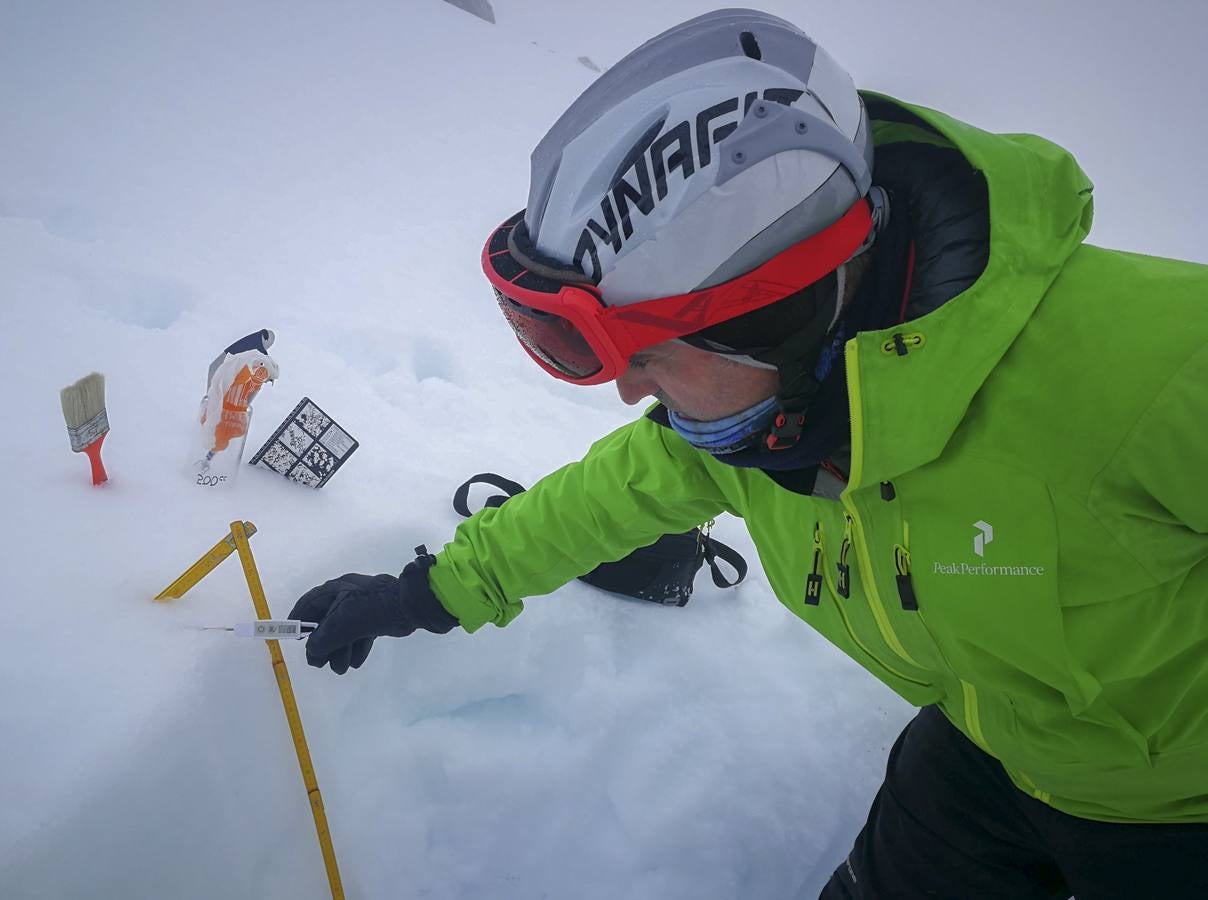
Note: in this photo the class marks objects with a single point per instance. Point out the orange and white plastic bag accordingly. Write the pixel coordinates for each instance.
(226, 414)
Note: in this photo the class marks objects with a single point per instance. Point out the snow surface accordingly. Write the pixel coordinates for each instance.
(175, 176)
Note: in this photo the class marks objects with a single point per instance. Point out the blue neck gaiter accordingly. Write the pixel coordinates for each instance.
(729, 435)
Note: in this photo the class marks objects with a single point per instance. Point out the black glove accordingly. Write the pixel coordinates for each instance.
(353, 609)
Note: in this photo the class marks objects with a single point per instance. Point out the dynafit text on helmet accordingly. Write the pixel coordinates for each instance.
(876, 334)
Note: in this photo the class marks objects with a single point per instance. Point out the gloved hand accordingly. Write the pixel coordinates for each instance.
(353, 609)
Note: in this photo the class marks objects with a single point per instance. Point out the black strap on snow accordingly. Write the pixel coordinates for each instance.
(715, 550)
(462, 495)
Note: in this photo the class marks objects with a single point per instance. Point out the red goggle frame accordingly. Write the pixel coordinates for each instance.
(569, 331)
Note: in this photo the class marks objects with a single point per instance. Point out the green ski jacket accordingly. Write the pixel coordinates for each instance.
(1024, 537)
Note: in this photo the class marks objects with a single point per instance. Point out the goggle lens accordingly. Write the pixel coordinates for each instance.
(551, 338)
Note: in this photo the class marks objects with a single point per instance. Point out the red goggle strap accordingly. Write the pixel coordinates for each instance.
(650, 322)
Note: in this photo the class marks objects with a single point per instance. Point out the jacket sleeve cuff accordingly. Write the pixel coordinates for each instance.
(423, 606)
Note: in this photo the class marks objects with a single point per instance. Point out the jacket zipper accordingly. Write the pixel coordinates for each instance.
(820, 567)
(901, 564)
(972, 715)
(870, 587)
(813, 581)
(844, 586)
(857, 464)
(901, 558)
(1042, 796)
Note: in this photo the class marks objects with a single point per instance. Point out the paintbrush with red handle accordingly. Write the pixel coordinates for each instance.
(87, 422)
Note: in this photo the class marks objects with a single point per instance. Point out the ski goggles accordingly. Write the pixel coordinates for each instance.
(562, 322)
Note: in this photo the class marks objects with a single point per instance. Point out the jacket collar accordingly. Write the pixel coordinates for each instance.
(911, 385)
(980, 276)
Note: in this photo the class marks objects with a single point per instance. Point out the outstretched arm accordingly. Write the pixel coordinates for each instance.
(633, 486)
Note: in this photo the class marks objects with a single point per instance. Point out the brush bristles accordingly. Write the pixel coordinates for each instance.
(84, 400)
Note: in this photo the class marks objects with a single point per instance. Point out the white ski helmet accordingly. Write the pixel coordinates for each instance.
(703, 153)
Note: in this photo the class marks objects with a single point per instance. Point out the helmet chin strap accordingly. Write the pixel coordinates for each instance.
(796, 359)
(878, 201)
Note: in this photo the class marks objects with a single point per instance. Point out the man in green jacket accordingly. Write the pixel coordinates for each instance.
(970, 449)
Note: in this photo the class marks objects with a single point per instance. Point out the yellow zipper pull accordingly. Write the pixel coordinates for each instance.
(813, 581)
(844, 586)
(901, 562)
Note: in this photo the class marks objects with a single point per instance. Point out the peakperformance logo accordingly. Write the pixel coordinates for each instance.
(985, 535)
(961, 568)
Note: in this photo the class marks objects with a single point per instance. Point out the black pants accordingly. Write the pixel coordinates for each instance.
(949, 823)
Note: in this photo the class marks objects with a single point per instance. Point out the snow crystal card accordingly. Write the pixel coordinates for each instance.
(308, 447)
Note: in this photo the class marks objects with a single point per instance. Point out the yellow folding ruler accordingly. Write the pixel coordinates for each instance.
(236, 541)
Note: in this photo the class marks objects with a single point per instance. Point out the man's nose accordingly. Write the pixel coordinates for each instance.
(633, 385)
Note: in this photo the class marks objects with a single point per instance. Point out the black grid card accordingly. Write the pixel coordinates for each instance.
(307, 448)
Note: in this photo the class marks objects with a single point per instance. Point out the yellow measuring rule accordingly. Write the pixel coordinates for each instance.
(237, 542)
(204, 566)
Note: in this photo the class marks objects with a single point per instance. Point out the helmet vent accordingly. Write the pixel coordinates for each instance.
(750, 46)
(641, 146)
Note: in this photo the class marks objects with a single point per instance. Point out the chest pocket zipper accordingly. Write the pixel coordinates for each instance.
(843, 588)
(814, 581)
(901, 564)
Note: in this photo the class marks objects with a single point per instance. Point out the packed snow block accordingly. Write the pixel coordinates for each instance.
(480, 8)
(308, 447)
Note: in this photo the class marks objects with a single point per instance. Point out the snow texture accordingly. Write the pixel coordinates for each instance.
(178, 175)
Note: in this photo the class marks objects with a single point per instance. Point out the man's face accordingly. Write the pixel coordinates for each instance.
(700, 385)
